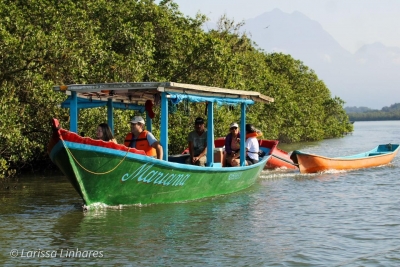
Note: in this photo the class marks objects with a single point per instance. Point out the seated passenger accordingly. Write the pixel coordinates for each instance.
(197, 140)
(252, 145)
(232, 145)
(142, 139)
(104, 133)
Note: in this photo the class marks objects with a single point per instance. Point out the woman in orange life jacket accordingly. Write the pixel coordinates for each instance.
(104, 133)
(142, 139)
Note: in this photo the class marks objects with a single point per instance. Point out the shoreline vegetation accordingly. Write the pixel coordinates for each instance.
(59, 43)
(390, 113)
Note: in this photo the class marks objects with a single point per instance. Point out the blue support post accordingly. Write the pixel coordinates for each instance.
(243, 135)
(73, 113)
(210, 134)
(164, 125)
(149, 125)
(110, 117)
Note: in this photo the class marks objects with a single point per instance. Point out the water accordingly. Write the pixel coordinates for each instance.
(285, 219)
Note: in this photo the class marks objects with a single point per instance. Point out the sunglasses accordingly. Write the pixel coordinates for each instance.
(233, 128)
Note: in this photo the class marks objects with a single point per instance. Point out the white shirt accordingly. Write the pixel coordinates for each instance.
(252, 146)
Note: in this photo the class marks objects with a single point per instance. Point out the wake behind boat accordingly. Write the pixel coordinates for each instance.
(113, 174)
(311, 163)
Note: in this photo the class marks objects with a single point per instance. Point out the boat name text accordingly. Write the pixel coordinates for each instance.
(145, 174)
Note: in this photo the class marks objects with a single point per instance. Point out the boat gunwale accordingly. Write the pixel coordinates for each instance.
(144, 158)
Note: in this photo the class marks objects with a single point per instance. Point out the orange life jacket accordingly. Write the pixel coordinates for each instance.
(141, 143)
(255, 134)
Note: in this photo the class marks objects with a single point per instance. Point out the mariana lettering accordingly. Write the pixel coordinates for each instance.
(180, 179)
(149, 176)
(138, 171)
(145, 174)
(159, 176)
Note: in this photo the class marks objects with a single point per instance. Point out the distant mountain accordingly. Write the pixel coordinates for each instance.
(368, 78)
(297, 35)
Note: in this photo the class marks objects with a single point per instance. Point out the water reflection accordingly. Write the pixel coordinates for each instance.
(162, 230)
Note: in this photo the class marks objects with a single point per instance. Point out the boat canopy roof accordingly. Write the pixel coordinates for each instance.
(137, 93)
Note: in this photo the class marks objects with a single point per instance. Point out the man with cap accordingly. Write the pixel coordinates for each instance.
(197, 140)
(142, 139)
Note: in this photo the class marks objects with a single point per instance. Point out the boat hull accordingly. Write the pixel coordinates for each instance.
(116, 177)
(311, 163)
(279, 159)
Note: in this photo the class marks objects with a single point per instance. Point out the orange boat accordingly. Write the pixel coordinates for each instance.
(380, 155)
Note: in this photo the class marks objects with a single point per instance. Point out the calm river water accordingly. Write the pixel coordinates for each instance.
(285, 219)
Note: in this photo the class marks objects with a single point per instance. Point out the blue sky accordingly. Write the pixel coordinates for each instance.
(352, 23)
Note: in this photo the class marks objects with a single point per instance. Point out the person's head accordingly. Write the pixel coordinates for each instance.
(137, 124)
(104, 132)
(234, 128)
(199, 124)
(250, 128)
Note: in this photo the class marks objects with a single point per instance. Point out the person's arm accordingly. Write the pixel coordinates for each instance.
(159, 149)
(237, 154)
(203, 153)
(154, 143)
(228, 141)
(191, 150)
(247, 145)
(190, 146)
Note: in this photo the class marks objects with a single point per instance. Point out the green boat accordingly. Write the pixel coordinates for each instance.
(112, 174)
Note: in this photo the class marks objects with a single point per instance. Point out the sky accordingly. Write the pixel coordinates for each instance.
(352, 23)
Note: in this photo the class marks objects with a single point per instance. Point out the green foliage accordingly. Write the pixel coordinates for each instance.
(394, 107)
(46, 43)
(386, 113)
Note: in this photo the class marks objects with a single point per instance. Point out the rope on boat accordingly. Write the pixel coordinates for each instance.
(97, 173)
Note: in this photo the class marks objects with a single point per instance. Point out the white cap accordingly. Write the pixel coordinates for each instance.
(234, 124)
(137, 119)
